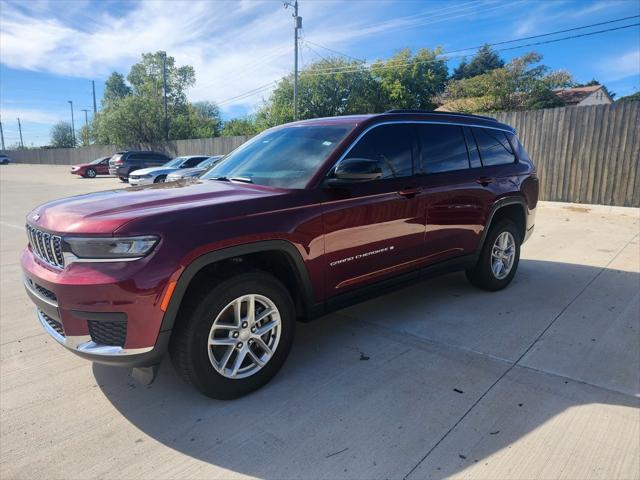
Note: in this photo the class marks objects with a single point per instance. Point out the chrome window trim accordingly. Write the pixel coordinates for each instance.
(411, 122)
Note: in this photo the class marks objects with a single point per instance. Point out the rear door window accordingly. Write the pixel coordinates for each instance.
(494, 146)
(391, 145)
(443, 148)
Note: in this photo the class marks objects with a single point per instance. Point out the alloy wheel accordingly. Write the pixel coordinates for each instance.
(503, 254)
(244, 336)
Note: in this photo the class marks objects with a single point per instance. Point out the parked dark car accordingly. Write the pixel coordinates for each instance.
(4, 160)
(123, 163)
(99, 166)
(300, 220)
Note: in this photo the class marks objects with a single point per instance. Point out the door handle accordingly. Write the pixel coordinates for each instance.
(409, 192)
(484, 181)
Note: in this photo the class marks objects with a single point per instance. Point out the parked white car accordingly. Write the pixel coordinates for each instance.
(196, 171)
(147, 176)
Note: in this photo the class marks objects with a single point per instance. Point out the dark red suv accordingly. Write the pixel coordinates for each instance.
(303, 218)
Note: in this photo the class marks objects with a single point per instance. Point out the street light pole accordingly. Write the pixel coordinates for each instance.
(86, 125)
(73, 124)
(20, 130)
(164, 91)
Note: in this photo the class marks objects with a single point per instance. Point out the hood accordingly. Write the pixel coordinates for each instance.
(154, 171)
(104, 212)
(187, 172)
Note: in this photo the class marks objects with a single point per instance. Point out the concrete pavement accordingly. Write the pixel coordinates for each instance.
(437, 380)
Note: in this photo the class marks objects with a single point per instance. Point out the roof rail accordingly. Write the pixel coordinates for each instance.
(434, 112)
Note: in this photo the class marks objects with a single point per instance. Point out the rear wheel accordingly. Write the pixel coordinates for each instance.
(160, 179)
(232, 337)
(90, 173)
(499, 259)
(124, 179)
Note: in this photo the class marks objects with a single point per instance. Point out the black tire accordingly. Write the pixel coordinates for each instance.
(160, 179)
(482, 275)
(189, 348)
(124, 179)
(90, 173)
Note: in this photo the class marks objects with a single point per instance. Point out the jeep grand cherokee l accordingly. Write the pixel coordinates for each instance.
(301, 219)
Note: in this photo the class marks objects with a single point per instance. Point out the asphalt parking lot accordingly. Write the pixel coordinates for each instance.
(439, 379)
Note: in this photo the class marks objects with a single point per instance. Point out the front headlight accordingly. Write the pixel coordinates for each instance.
(109, 248)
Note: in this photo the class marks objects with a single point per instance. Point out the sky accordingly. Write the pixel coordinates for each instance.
(51, 50)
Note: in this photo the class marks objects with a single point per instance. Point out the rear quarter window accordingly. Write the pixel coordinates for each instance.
(494, 147)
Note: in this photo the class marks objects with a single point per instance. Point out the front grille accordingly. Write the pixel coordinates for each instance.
(56, 325)
(108, 333)
(45, 246)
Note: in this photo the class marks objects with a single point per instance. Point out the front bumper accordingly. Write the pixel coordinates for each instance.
(140, 180)
(95, 319)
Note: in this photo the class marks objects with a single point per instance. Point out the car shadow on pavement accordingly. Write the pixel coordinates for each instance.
(418, 382)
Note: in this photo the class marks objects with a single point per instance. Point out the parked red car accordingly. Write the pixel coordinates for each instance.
(100, 166)
(302, 219)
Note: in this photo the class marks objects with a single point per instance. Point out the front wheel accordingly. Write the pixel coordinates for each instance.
(160, 179)
(232, 337)
(499, 259)
(91, 173)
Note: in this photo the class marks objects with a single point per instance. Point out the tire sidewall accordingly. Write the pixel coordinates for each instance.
(91, 173)
(492, 282)
(204, 376)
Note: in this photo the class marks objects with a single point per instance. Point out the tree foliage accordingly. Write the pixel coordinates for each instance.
(634, 97)
(240, 126)
(521, 83)
(62, 135)
(133, 112)
(485, 60)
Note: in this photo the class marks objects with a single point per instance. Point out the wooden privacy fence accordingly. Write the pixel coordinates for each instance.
(70, 156)
(584, 154)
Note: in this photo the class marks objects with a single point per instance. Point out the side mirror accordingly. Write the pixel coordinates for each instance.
(356, 170)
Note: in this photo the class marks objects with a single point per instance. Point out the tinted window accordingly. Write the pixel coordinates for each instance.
(193, 161)
(443, 148)
(494, 147)
(472, 147)
(282, 157)
(136, 157)
(389, 144)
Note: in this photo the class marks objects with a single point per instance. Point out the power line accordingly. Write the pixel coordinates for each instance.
(548, 34)
(308, 42)
(329, 71)
(248, 93)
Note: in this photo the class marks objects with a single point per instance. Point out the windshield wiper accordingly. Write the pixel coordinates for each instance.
(241, 179)
(222, 179)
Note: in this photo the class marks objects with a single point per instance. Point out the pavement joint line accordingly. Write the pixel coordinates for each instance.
(11, 225)
(508, 370)
(582, 382)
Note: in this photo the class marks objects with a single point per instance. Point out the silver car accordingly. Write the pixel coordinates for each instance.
(196, 171)
(159, 174)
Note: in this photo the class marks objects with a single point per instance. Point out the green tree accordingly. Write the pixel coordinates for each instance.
(62, 135)
(240, 126)
(634, 97)
(411, 81)
(521, 83)
(209, 119)
(85, 136)
(485, 60)
(115, 89)
(135, 113)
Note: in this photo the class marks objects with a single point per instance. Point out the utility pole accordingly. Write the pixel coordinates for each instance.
(164, 91)
(86, 124)
(20, 130)
(297, 25)
(93, 86)
(73, 125)
(2, 134)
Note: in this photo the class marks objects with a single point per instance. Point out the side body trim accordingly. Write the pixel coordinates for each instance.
(225, 253)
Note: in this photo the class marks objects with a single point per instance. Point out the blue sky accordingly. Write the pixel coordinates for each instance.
(51, 50)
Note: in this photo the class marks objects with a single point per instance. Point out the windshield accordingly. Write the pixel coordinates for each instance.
(94, 162)
(286, 157)
(176, 162)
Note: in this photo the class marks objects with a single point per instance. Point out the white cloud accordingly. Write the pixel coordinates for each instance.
(623, 66)
(30, 115)
(233, 46)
